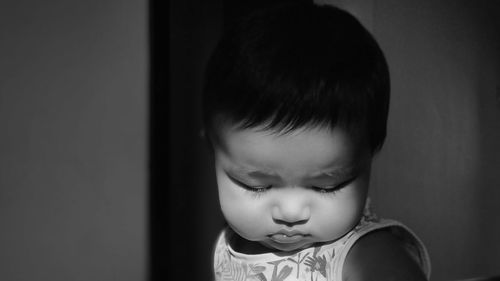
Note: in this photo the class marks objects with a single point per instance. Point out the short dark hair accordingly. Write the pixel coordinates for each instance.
(298, 65)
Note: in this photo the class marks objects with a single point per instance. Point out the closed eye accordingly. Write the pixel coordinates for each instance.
(258, 188)
(333, 188)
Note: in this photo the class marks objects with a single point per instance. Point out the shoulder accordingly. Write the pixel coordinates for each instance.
(380, 255)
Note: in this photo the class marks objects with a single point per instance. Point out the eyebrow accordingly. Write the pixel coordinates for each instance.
(336, 174)
(255, 173)
(342, 170)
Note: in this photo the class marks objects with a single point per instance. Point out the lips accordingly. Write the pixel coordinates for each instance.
(287, 236)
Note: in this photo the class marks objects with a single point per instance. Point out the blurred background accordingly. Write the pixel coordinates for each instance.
(73, 151)
(439, 171)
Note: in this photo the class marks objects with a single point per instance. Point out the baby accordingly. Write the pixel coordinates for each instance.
(295, 108)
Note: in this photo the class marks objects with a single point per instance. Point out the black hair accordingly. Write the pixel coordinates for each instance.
(299, 65)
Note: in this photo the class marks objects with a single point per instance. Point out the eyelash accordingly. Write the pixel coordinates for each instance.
(333, 190)
(257, 190)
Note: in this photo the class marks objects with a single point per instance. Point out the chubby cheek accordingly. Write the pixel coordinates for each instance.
(246, 215)
(337, 218)
(342, 212)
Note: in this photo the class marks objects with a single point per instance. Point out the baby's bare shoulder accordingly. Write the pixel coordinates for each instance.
(380, 256)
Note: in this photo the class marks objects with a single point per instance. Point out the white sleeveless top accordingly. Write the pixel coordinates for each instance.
(319, 263)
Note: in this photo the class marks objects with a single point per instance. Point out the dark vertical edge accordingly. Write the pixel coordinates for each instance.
(151, 111)
(158, 141)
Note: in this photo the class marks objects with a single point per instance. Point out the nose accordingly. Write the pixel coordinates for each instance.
(291, 208)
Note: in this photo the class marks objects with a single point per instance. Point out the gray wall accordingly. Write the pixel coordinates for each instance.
(73, 98)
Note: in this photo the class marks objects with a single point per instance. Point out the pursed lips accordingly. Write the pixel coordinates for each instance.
(288, 236)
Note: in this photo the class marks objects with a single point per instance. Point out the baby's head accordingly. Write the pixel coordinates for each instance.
(295, 106)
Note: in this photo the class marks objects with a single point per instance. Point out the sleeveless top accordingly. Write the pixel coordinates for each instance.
(316, 263)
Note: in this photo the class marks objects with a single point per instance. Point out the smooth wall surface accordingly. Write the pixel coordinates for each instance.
(73, 98)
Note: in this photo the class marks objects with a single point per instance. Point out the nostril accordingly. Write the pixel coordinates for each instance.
(290, 223)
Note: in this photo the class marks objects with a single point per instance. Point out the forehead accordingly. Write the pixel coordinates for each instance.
(307, 150)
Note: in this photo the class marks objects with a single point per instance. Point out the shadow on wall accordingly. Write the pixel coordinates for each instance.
(488, 108)
(194, 216)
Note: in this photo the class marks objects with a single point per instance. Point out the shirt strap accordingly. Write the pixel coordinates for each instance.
(410, 240)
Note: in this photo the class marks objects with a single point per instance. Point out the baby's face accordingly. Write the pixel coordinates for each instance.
(290, 191)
